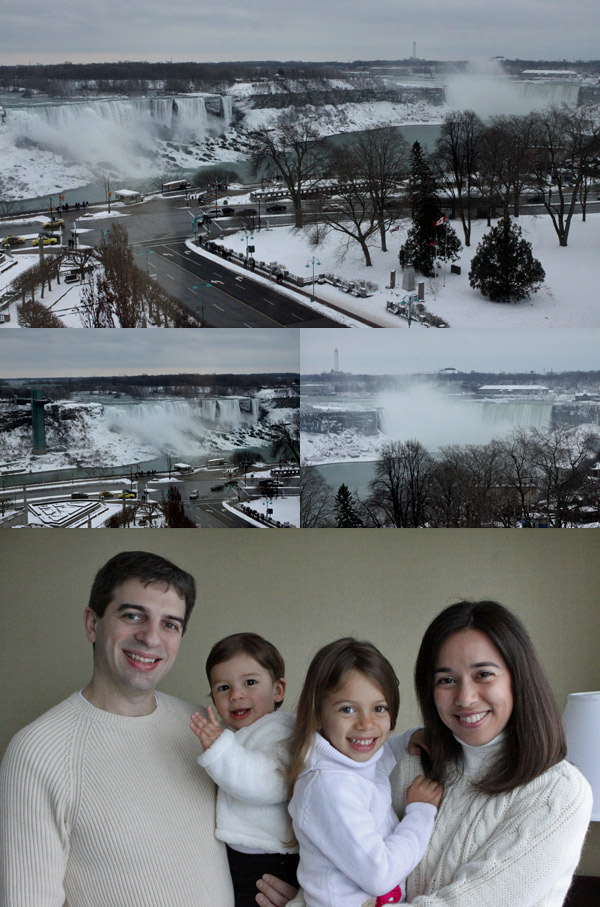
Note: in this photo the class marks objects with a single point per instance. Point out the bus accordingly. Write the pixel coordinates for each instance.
(176, 186)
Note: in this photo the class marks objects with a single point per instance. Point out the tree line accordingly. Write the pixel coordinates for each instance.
(530, 478)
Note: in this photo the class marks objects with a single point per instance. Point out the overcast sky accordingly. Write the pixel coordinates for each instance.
(210, 30)
(396, 351)
(78, 352)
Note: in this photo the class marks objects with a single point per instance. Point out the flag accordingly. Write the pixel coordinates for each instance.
(432, 244)
(442, 220)
(393, 230)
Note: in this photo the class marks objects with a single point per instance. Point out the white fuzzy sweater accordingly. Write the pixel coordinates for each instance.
(246, 765)
(352, 846)
(101, 810)
(513, 850)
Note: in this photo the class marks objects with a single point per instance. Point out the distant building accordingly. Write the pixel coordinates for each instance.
(513, 390)
(558, 75)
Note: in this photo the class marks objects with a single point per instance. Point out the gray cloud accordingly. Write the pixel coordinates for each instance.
(75, 352)
(313, 30)
(396, 351)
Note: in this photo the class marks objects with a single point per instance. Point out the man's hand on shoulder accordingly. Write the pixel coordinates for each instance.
(274, 892)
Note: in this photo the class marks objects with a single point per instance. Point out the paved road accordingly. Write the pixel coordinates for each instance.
(232, 299)
(157, 231)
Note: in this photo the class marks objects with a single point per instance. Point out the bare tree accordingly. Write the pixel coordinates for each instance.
(506, 157)
(285, 441)
(457, 158)
(400, 492)
(383, 154)
(33, 314)
(316, 499)
(295, 152)
(565, 140)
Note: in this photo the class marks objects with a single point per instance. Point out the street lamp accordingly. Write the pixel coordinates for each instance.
(247, 236)
(314, 261)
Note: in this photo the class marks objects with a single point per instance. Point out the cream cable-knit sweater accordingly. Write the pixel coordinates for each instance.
(518, 849)
(101, 810)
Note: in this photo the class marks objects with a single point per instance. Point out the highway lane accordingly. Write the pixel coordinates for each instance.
(232, 300)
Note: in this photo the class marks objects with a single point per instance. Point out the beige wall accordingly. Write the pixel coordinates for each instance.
(301, 589)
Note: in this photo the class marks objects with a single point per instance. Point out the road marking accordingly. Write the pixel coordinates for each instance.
(268, 300)
(222, 282)
(167, 254)
(246, 325)
(293, 314)
(218, 307)
(170, 276)
(239, 278)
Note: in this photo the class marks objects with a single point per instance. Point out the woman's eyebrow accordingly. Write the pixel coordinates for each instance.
(476, 664)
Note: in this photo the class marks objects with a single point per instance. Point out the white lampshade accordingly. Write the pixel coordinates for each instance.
(581, 721)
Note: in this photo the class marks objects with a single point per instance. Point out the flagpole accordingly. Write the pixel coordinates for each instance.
(445, 247)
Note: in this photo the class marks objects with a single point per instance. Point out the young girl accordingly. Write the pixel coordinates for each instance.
(246, 760)
(352, 848)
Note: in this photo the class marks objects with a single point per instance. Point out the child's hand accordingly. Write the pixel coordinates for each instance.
(424, 790)
(207, 730)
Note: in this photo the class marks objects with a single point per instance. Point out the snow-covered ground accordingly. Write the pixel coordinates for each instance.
(567, 299)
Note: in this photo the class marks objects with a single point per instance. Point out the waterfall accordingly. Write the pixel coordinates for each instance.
(517, 414)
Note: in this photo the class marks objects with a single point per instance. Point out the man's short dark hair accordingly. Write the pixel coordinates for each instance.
(147, 568)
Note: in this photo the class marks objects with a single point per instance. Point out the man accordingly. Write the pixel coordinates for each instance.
(102, 803)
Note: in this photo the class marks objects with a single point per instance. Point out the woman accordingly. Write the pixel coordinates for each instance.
(514, 815)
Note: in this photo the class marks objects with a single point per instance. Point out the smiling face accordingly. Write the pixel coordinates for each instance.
(135, 645)
(243, 691)
(355, 717)
(472, 687)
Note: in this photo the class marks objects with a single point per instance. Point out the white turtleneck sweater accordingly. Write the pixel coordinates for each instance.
(102, 810)
(352, 846)
(517, 849)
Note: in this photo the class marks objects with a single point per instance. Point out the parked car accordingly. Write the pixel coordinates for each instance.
(276, 209)
(13, 241)
(46, 241)
(106, 494)
(332, 206)
(71, 278)
(126, 494)
(227, 211)
(194, 495)
(217, 487)
(79, 496)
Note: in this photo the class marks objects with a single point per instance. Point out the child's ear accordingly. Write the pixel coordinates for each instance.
(279, 690)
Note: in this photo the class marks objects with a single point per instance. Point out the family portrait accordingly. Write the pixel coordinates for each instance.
(343, 723)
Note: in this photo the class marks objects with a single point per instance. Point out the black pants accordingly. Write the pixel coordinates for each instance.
(247, 868)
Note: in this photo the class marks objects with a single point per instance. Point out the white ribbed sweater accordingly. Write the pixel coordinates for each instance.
(101, 810)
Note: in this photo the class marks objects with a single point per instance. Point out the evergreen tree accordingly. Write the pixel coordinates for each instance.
(346, 515)
(503, 266)
(426, 243)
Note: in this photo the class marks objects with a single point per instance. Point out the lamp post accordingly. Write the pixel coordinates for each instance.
(247, 236)
(314, 261)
